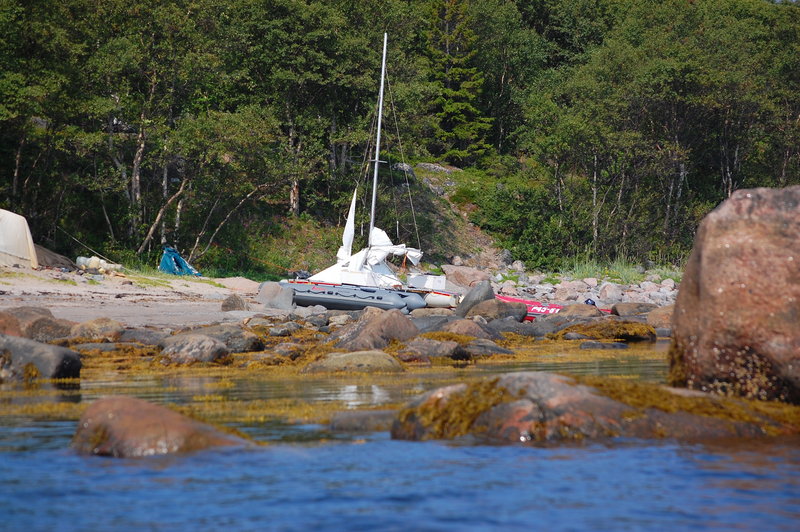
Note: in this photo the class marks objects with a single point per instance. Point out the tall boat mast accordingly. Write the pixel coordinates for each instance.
(376, 162)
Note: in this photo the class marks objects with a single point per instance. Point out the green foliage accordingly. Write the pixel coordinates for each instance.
(602, 128)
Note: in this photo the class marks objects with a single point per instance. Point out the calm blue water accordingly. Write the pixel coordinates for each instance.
(370, 482)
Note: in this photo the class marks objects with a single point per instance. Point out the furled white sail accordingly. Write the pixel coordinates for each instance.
(349, 232)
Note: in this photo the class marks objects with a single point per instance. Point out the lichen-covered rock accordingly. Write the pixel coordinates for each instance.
(127, 427)
(544, 407)
(735, 326)
(494, 309)
(191, 348)
(372, 361)
(22, 359)
(375, 329)
(98, 329)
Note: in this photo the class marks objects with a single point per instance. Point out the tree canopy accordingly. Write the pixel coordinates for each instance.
(598, 127)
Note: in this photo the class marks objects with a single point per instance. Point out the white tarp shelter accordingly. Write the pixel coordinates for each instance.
(16, 243)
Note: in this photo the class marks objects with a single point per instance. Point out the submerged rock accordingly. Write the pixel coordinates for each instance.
(736, 323)
(544, 407)
(22, 359)
(127, 427)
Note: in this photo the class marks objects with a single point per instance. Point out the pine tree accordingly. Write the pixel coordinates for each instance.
(460, 128)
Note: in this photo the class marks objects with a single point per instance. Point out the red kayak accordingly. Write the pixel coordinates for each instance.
(536, 308)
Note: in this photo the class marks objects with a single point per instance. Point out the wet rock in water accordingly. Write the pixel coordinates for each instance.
(613, 328)
(22, 359)
(236, 339)
(275, 295)
(735, 326)
(289, 350)
(470, 328)
(511, 325)
(594, 344)
(480, 292)
(663, 332)
(661, 317)
(143, 336)
(632, 308)
(234, 302)
(374, 330)
(127, 427)
(494, 309)
(544, 407)
(362, 420)
(425, 349)
(98, 329)
(371, 361)
(190, 348)
(481, 347)
(580, 310)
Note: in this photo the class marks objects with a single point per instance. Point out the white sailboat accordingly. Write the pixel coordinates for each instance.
(367, 269)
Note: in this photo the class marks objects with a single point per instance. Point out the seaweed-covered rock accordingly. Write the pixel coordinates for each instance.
(482, 347)
(24, 359)
(359, 361)
(544, 407)
(375, 329)
(612, 329)
(191, 348)
(126, 427)
(735, 326)
(236, 339)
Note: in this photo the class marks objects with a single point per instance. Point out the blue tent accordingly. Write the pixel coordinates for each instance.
(172, 262)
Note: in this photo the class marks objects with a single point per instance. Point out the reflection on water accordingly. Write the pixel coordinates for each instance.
(309, 477)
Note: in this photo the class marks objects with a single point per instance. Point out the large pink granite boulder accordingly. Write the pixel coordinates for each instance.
(736, 326)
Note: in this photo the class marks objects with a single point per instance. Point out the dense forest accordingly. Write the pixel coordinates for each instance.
(594, 128)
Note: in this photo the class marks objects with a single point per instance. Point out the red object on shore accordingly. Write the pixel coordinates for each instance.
(537, 308)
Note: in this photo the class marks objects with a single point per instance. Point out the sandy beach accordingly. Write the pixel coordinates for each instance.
(133, 299)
